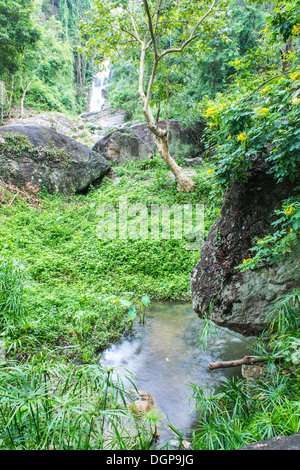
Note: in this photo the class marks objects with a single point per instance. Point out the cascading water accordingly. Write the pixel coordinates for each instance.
(100, 82)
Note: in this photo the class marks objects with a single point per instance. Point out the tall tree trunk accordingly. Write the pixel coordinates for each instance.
(23, 98)
(11, 96)
(184, 183)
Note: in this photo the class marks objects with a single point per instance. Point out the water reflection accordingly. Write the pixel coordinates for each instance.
(165, 358)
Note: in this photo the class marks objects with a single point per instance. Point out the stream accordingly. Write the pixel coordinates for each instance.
(165, 358)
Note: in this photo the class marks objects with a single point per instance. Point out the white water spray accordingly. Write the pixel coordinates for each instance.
(99, 84)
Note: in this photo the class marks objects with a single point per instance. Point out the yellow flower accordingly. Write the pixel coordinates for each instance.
(260, 241)
(242, 137)
(229, 137)
(219, 146)
(266, 89)
(291, 230)
(262, 112)
(294, 76)
(296, 101)
(289, 210)
(295, 29)
(210, 171)
(211, 124)
(246, 260)
(210, 111)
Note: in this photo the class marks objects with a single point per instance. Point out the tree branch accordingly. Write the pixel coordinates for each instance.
(192, 35)
(150, 25)
(141, 74)
(157, 15)
(262, 84)
(239, 362)
(134, 26)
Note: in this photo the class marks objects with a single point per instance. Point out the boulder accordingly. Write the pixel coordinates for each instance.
(137, 142)
(291, 442)
(45, 158)
(241, 300)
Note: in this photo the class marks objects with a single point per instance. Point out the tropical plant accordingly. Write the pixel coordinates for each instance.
(46, 404)
(148, 35)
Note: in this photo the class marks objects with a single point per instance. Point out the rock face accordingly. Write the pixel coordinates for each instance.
(137, 142)
(241, 300)
(45, 158)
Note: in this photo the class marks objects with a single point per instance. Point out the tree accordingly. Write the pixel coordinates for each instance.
(148, 33)
(17, 33)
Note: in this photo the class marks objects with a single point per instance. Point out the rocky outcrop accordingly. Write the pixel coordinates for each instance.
(45, 158)
(241, 300)
(137, 142)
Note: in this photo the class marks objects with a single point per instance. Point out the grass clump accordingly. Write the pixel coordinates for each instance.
(49, 405)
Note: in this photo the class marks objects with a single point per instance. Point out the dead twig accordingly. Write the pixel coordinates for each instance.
(248, 360)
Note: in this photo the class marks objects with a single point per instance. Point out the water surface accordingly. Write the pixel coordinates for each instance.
(165, 358)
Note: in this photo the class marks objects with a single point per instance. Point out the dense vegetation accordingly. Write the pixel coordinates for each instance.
(42, 65)
(65, 293)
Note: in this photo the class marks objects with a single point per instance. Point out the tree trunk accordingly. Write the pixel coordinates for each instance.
(23, 98)
(11, 96)
(184, 183)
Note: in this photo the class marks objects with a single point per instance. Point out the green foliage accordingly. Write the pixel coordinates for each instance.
(17, 33)
(285, 19)
(57, 75)
(11, 288)
(203, 71)
(50, 70)
(243, 411)
(137, 307)
(273, 247)
(122, 90)
(75, 281)
(47, 405)
(259, 119)
(243, 129)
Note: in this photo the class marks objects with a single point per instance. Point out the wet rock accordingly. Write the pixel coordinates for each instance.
(241, 301)
(143, 405)
(252, 372)
(137, 142)
(276, 443)
(45, 158)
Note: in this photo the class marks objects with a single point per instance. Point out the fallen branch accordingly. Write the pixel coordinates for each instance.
(239, 362)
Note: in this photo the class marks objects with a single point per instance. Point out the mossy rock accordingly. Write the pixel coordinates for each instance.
(45, 158)
(242, 301)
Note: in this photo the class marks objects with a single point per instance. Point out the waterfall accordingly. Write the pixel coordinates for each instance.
(99, 83)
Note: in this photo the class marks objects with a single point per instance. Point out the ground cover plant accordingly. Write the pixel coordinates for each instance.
(65, 295)
(70, 284)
